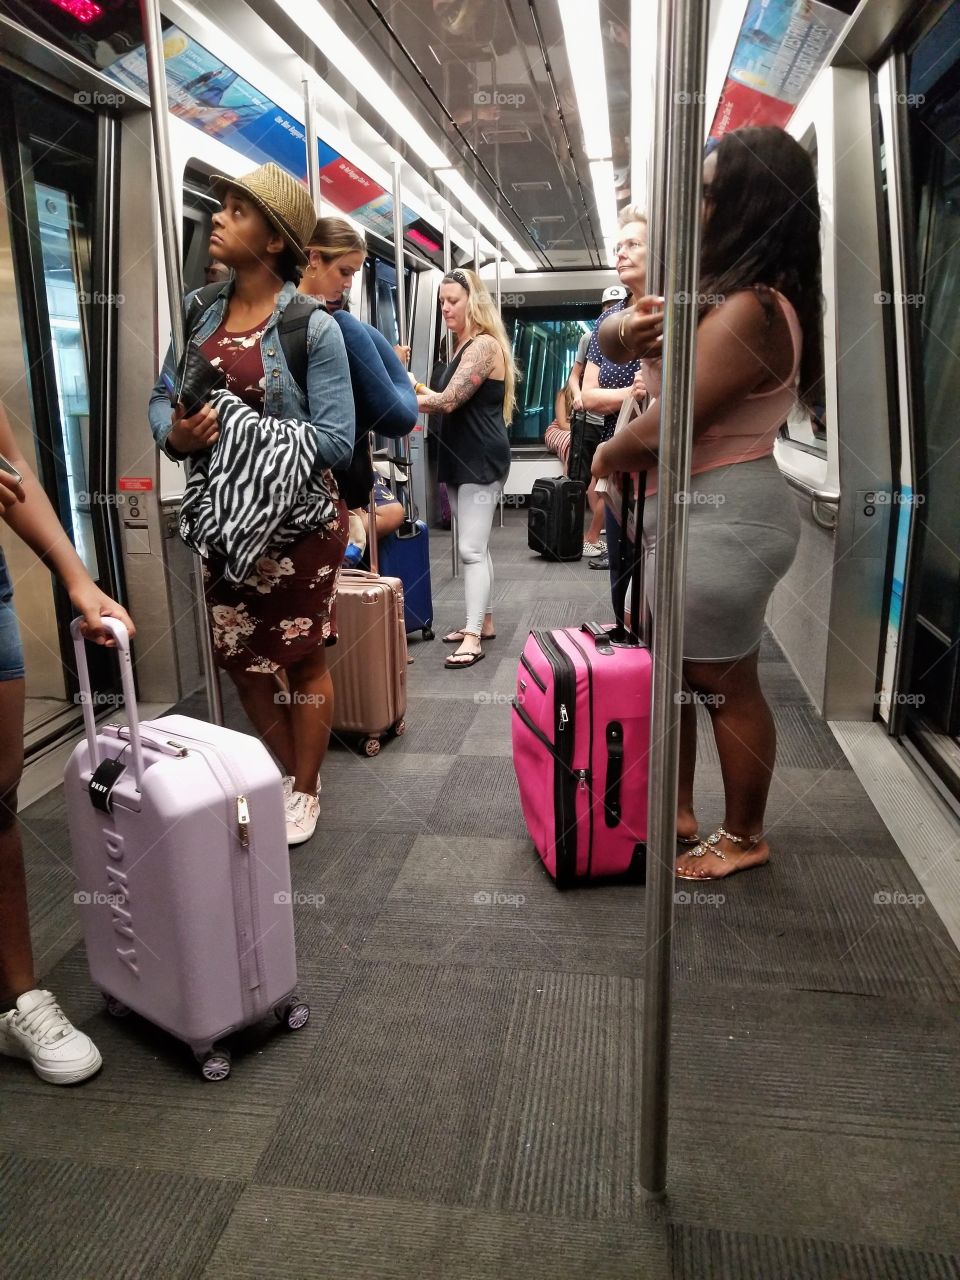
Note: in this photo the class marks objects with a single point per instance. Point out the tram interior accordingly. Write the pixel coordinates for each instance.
(466, 1098)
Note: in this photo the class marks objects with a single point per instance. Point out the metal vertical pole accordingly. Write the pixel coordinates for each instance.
(499, 280)
(476, 252)
(402, 326)
(683, 178)
(447, 265)
(313, 154)
(170, 238)
(657, 193)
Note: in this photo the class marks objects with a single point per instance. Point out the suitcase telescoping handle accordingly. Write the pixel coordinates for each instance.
(119, 633)
(630, 566)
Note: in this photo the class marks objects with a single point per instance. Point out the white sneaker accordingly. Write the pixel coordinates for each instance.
(302, 814)
(591, 549)
(288, 781)
(38, 1030)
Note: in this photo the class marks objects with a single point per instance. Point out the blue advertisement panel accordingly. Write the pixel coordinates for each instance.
(202, 90)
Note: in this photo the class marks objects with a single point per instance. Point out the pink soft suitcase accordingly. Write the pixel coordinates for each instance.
(581, 737)
(183, 874)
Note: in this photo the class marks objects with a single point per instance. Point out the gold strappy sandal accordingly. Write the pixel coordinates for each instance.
(710, 845)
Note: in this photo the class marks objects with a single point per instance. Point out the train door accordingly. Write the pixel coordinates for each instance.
(57, 315)
(927, 695)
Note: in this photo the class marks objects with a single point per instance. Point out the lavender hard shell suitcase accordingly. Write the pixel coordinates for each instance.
(183, 873)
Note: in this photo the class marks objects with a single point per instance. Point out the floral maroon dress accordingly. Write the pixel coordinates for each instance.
(287, 607)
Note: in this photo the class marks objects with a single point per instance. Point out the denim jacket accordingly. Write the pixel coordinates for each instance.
(330, 407)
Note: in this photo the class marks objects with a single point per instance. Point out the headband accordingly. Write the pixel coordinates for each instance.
(458, 278)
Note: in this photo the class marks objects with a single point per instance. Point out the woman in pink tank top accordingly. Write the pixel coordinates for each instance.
(758, 350)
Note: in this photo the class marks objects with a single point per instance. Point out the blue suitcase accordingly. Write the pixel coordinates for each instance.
(406, 555)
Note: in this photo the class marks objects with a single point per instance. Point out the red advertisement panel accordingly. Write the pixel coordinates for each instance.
(346, 187)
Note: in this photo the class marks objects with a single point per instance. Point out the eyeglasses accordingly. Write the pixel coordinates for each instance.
(628, 247)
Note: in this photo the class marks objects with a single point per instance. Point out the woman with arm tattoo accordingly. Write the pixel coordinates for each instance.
(475, 398)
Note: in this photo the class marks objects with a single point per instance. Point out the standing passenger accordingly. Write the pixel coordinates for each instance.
(279, 618)
(475, 399)
(606, 383)
(32, 1024)
(758, 343)
(384, 400)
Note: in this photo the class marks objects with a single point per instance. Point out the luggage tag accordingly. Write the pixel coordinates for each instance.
(104, 779)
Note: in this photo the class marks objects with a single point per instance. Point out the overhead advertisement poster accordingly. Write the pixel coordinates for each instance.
(782, 46)
(221, 104)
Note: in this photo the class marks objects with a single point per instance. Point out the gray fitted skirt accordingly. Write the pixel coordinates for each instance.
(743, 529)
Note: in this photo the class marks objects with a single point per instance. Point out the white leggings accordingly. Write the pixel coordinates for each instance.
(474, 505)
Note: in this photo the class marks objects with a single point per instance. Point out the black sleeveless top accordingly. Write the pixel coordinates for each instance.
(474, 446)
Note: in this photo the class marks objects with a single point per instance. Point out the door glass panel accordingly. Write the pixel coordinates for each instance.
(544, 350)
(66, 276)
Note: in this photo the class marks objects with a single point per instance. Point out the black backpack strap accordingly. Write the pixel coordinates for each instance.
(293, 336)
(197, 305)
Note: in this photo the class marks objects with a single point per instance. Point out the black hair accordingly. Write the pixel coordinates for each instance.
(762, 232)
(288, 265)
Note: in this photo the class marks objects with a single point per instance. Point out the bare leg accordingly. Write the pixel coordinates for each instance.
(747, 744)
(311, 691)
(686, 818)
(269, 712)
(16, 957)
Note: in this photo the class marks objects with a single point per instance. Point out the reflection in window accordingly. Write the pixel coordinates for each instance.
(807, 428)
(544, 350)
(60, 230)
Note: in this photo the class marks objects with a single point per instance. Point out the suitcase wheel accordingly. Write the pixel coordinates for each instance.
(427, 633)
(116, 1008)
(371, 746)
(294, 1013)
(400, 728)
(216, 1065)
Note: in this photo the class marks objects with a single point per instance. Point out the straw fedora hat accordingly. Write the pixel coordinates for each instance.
(282, 200)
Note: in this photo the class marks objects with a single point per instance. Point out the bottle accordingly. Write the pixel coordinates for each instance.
(353, 555)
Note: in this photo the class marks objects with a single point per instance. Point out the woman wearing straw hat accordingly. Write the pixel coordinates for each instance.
(280, 617)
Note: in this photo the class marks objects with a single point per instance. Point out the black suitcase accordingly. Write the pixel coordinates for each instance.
(555, 519)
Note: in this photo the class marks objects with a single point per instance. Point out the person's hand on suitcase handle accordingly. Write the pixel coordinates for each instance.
(96, 608)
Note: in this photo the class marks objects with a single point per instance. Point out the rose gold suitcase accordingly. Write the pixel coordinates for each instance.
(368, 663)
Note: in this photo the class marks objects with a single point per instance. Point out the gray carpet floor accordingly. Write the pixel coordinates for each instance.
(464, 1101)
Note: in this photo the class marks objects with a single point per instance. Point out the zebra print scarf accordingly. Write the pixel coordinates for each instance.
(259, 487)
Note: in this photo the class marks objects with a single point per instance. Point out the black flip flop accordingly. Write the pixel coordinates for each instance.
(462, 666)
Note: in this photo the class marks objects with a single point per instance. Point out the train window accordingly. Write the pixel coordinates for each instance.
(544, 349)
(805, 428)
(384, 298)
